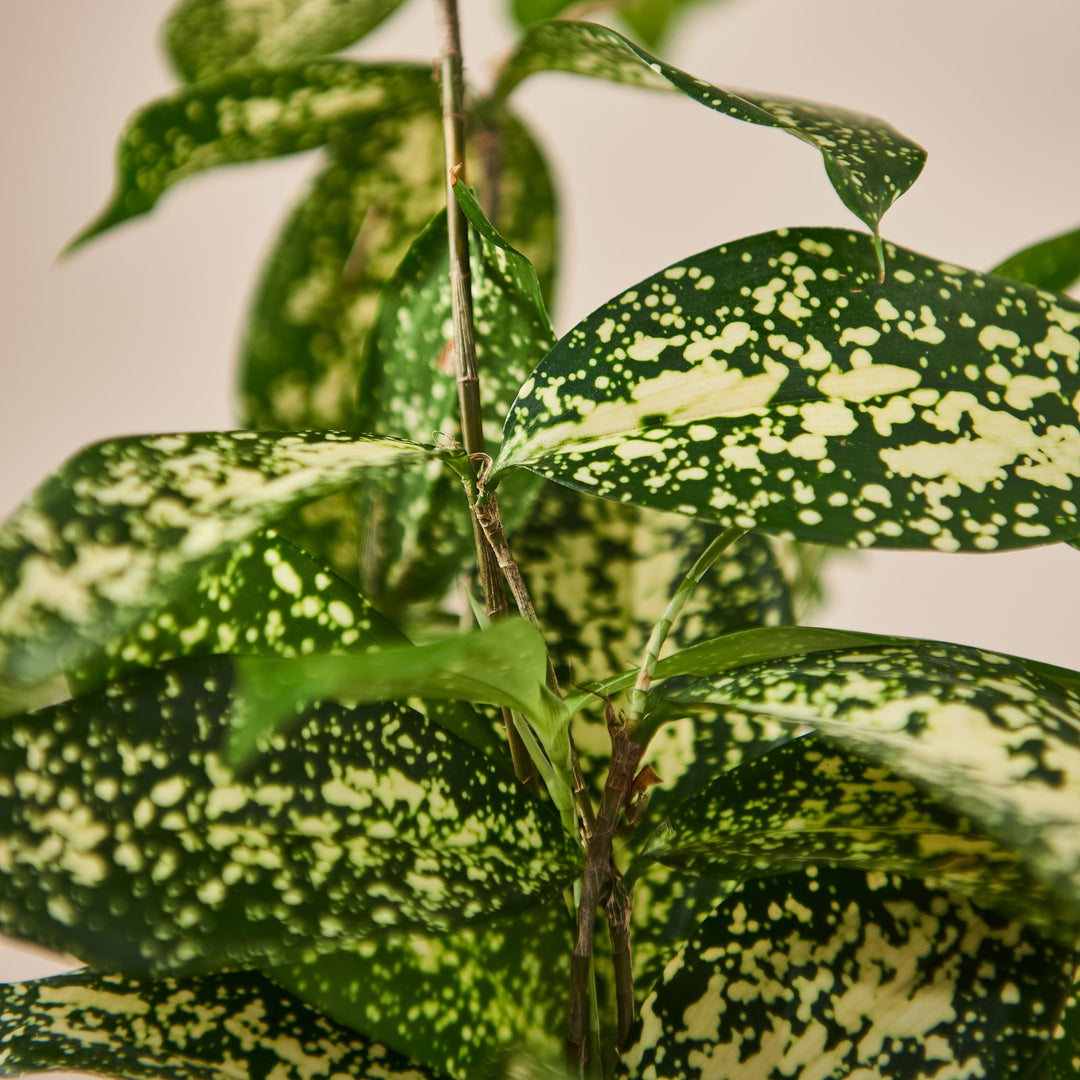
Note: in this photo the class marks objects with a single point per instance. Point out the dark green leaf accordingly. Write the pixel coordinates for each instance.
(809, 802)
(198, 1028)
(1062, 1060)
(240, 117)
(869, 163)
(835, 974)
(772, 383)
(205, 38)
(417, 529)
(995, 738)
(129, 842)
(116, 532)
(263, 596)
(1053, 263)
(455, 1000)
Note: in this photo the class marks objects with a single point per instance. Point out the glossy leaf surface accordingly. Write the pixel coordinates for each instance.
(129, 842)
(833, 974)
(199, 1028)
(1053, 263)
(250, 117)
(869, 163)
(205, 38)
(808, 802)
(993, 737)
(114, 532)
(456, 1001)
(772, 383)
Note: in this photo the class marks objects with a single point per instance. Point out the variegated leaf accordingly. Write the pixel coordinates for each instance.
(457, 1001)
(417, 532)
(128, 841)
(116, 531)
(249, 117)
(869, 163)
(834, 974)
(772, 383)
(1062, 1061)
(1053, 263)
(809, 802)
(236, 1025)
(994, 737)
(205, 38)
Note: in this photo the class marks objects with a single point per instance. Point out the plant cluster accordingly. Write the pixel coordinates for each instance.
(334, 748)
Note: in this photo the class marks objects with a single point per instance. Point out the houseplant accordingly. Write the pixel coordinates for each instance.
(936, 817)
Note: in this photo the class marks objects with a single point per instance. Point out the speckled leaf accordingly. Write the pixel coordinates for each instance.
(772, 383)
(810, 802)
(834, 974)
(249, 117)
(417, 532)
(129, 842)
(993, 737)
(1053, 263)
(869, 163)
(237, 1025)
(263, 596)
(1063, 1054)
(117, 530)
(456, 1001)
(204, 38)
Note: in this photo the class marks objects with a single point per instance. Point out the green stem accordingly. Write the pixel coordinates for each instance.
(672, 612)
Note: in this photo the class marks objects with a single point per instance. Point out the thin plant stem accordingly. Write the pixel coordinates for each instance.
(671, 613)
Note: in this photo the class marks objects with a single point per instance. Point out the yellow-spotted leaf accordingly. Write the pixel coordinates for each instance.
(128, 841)
(994, 738)
(456, 1001)
(812, 802)
(773, 383)
(1053, 263)
(869, 163)
(116, 532)
(833, 973)
(205, 38)
(197, 1028)
(249, 117)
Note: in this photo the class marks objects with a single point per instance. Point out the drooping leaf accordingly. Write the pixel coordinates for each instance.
(1053, 263)
(993, 737)
(417, 531)
(796, 395)
(128, 841)
(869, 163)
(809, 802)
(833, 974)
(456, 1001)
(205, 38)
(504, 665)
(198, 1028)
(116, 532)
(249, 117)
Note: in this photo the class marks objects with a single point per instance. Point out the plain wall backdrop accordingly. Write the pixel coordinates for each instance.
(138, 331)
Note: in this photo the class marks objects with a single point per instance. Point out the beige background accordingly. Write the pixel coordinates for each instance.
(137, 332)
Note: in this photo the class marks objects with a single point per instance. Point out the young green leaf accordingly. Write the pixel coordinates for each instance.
(869, 163)
(199, 1028)
(129, 842)
(811, 803)
(1053, 263)
(652, 20)
(834, 973)
(205, 38)
(249, 117)
(993, 737)
(114, 534)
(772, 383)
(456, 1001)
